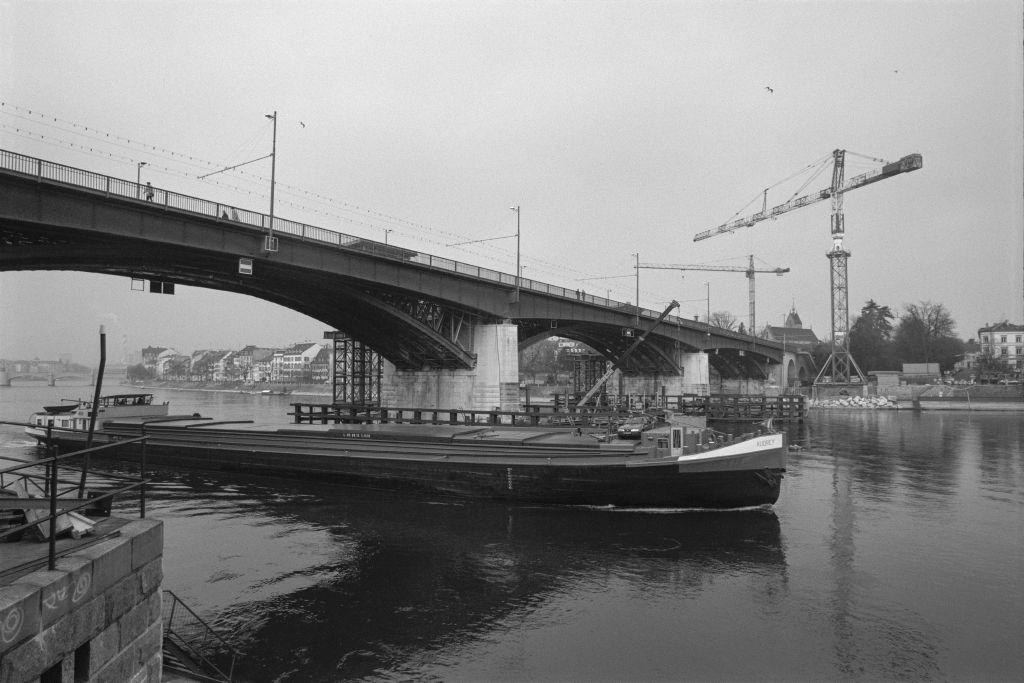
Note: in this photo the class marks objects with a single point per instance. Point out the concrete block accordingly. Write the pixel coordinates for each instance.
(121, 597)
(80, 625)
(150, 644)
(80, 572)
(147, 540)
(139, 619)
(20, 614)
(155, 667)
(111, 561)
(54, 589)
(151, 576)
(104, 646)
(26, 661)
(118, 670)
(137, 660)
(67, 668)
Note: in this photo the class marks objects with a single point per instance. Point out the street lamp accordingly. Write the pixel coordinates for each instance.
(273, 170)
(637, 266)
(138, 179)
(503, 237)
(708, 319)
(386, 231)
(518, 271)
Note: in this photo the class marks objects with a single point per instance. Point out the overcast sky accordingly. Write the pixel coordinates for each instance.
(618, 127)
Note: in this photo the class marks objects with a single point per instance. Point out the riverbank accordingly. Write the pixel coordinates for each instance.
(1004, 398)
(856, 402)
(237, 387)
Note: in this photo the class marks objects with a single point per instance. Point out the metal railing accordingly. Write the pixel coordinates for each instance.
(197, 639)
(559, 413)
(49, 171)
(46, 470)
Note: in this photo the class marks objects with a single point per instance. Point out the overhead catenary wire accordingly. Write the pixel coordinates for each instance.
(127, 150)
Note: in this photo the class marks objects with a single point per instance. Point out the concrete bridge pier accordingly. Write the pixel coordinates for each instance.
(5, 379)
(700, 377)
(492, 383)
(694, 378)
(51, 381)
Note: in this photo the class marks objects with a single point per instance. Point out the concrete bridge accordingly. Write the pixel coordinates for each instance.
(450, 330)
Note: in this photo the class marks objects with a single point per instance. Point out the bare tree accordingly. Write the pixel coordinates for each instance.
(926, 333)
(723, 319)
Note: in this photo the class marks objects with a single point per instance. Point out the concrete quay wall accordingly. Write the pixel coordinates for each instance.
(95, 619)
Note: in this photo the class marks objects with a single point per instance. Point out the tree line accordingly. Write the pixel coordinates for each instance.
(925, 332)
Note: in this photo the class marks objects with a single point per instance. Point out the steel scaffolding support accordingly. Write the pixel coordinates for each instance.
(357, 372)
(587, 370)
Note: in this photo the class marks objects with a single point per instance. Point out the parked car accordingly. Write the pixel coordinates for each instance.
(634, 427)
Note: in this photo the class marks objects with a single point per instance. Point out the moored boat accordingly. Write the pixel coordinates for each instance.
(674, 465)
(74, 415)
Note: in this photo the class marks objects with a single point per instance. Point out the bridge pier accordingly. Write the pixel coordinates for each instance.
(492, 383)
(5, 379)
(694, 379)
(700, 377)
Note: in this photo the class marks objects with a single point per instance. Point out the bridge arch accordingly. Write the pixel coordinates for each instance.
(416, 310)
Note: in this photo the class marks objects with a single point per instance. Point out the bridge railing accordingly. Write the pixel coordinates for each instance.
(68, 175)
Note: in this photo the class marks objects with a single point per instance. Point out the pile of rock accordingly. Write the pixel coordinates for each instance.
(869, 402)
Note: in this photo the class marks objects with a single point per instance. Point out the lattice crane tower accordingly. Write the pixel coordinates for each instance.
(840, 362)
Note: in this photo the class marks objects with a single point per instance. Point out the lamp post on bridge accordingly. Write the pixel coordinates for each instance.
(708, 319)
(386, 231)
(637, 267)
(707, 335)
(488, 239)
(138, 179)
(273, 170)
(518, 269)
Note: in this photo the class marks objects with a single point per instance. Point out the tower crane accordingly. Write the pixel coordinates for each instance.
(840, 361)
(749, 271)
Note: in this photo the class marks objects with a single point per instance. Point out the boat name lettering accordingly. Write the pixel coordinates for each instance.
(762, 443)
(356, 435)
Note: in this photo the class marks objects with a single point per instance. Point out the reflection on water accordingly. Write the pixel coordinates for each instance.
(313, 578)
(896, 551)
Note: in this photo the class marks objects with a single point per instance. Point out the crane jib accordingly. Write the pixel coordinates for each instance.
(910, 162)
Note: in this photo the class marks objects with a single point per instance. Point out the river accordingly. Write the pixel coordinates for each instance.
(896, 552)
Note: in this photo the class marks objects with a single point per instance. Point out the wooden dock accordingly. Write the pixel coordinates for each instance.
(719, 407)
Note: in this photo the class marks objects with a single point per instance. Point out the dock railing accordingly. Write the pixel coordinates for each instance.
(328, 413)
(787, 407)
(196, 640)
(57, 495)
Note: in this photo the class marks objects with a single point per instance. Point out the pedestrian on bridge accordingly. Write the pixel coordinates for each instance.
(149, 191)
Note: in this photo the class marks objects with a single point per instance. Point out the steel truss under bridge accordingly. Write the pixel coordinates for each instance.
(357, 373)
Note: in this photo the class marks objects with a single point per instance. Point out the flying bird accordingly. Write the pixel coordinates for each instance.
(768, 88)
(302, 124)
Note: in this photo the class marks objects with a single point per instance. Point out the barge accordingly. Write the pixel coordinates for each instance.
(673, 465)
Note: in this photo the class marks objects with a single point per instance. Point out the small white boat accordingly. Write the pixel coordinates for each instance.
(74, 414)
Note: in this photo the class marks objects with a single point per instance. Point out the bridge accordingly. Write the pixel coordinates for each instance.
(47, 371)
(425, 314)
